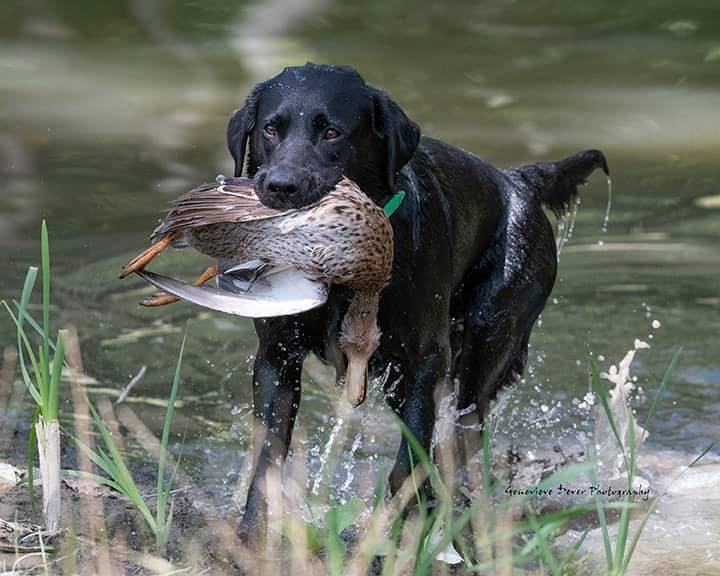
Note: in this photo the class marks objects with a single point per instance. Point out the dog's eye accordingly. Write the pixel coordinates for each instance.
(331, 134)
(270, 130)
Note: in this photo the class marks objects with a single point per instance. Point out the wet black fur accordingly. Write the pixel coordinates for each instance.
(475, 256)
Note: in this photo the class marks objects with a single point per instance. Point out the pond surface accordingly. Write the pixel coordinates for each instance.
(109, 111)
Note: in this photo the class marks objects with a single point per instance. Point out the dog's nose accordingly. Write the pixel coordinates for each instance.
(282, 185)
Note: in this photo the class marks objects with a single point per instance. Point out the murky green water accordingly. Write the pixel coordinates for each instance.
(107, 112)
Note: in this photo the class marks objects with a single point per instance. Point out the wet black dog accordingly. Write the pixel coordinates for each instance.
(475, 256)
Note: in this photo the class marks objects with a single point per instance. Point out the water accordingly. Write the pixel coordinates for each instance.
(108, 112)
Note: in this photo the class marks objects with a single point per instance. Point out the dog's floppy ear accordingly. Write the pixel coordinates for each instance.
(239, 128)
(401, 134)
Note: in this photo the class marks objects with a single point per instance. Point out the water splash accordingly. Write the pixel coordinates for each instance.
(566, 225)
(606, 219)
(330, 444)
(349, 464)
(609, 454)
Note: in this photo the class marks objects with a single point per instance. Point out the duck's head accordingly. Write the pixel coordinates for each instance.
(359, 338)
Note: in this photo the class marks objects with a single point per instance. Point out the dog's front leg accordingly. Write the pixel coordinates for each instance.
(276, 399)
(418, 410)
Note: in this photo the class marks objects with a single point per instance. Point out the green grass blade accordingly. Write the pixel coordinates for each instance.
(379, 491)
(25, 316)
(28, 286)
(24, 343)
(31, 452)
(44, 380)
(532, 546)
(703, 453)
(119, 471)
(455, 528)
(22, 340)
(95, 478)
(624, 525)
(574, 550)
(45, 262)
(423, 458)
(164, 530)
(602, 393)
(559, 477)
(163, 489)
(607, 545)
(54, 399)
(545, 552)
(100, 459)
(649, 513)
(663, 384)
(559, 517)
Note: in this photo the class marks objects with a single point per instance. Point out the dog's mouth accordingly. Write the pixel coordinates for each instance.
(298, 189)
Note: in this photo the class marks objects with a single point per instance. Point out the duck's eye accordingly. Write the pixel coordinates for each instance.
(331, 134)
(270, 130)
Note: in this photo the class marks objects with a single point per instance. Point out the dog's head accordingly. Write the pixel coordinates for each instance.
(311, 124)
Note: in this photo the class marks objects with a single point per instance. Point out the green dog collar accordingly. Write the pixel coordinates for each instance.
(394, 203)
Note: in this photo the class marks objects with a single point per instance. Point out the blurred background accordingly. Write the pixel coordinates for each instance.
(109, 110)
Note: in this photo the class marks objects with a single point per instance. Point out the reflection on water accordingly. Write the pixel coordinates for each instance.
(107, 111)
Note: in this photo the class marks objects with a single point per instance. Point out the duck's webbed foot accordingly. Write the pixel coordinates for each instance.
(143, 259)
(163, 298)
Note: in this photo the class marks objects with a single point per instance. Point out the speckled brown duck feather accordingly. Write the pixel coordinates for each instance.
(344, 238)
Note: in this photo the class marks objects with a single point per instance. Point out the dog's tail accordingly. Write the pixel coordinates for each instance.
(555, 183)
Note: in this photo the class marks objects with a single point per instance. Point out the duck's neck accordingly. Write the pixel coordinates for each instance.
(359, 337)
(359, 331)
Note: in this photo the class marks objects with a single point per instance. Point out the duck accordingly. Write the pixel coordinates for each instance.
(276, 262)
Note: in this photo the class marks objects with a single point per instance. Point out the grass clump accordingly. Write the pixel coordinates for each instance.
(618, 561)
(117, 476)
(42, 380)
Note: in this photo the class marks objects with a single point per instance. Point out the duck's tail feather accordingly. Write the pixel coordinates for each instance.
(556, 183)
(283, 293)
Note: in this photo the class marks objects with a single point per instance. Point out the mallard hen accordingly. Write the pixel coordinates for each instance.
(273, 263)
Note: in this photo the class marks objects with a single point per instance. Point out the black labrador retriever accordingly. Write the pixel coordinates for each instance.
(475, 255)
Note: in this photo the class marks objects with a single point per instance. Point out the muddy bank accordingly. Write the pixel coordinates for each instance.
(103, 533)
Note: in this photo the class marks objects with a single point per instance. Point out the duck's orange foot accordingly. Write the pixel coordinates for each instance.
(159, 299)
(143, 259)
(163, 298)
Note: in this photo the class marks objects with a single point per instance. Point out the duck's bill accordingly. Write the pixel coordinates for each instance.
(283, 293)
(356, 381)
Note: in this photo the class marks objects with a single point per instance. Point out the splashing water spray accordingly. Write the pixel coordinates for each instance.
(566, 223)
(606, 220)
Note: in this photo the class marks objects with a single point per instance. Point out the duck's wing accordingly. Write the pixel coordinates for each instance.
(282, 292)
(225, 201)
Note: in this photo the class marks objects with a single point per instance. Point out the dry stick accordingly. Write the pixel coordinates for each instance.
(90, 509)
(134, 380)
(148, 441)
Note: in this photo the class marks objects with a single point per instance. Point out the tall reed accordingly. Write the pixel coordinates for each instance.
(42, 380)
